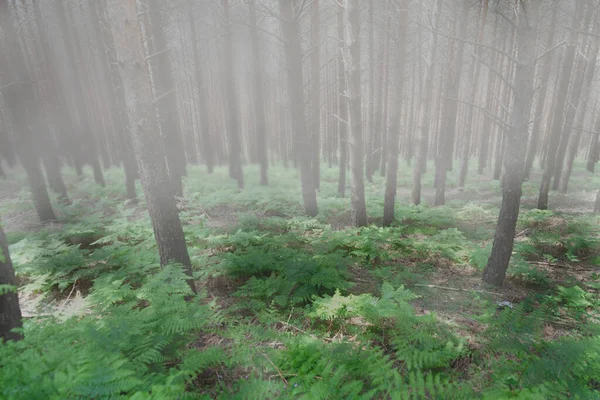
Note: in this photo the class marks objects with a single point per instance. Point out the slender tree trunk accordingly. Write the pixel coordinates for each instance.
(579, 119)
(83, 112)
(450, 115)
(559, 111)
(293, 55)
(10, 312)
(593, 153)
(597, 204)
(233, 124)
(315, 81)
(130, 43)
(394, 136)
(514, 162)
(259, 105)
(546, 69)
(117, 104)
(371, 117)
(425, 117)
(343, 106)
(468, 129)
(353, 76)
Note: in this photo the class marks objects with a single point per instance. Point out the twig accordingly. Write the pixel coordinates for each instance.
(277, 369)
(458, 289)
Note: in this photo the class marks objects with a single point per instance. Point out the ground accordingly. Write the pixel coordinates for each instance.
(263, 267)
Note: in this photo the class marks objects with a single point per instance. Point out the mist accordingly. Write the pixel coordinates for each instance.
(476, 120)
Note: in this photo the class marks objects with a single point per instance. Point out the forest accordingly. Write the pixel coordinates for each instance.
(299, 199)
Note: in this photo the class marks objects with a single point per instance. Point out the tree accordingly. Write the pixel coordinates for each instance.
(514, 162)
(315, 98)
(10, 312)
(117, 103)
(353, 76)
(259, 101)
(129, 41)
(425, 110)
(232, 113)
(19, 96)
(88, 142)
(394, 136)
(559, 110)
(343, 105)
(295, 80)
(450, 104)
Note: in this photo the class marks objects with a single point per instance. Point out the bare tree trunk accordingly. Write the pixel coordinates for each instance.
(233, 109)
(83, 112)
(353, 75)
(450, 104)
(117, 104)
(593, 154)
(468, 129)
(130, 44)
(425, 117)
(293, 55)
(597, 204)
(514, 162)
(546, 69)
(559, 111)
(343, 106)
(259, 105)
(394, 136)
(315, 81)
(582, 107)
(10, 312)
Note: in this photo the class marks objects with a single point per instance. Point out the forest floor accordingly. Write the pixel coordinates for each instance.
(290, 298)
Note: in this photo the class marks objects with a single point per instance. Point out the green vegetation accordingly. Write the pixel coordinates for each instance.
(291, 307)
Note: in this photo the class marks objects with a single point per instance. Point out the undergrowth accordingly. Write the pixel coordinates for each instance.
(292, 307)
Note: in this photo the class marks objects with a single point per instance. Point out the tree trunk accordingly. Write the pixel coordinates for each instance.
(559, 111)
(207, 145)
(514, 161)
(546, 69)
(343, 106)
(597, 204)
(259, 105)
(468, 129)
(10, 312)
(425, 117)
(293, 55)
(593, 154)
(450, 104)
(165, 95)
(233, 124)
(394, 136)
(315, 81)
(579, 119)
(117, 103)
(89, 148)
(353, 76)
(130, 43)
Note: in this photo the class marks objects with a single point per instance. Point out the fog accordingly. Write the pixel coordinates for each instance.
(367, 87)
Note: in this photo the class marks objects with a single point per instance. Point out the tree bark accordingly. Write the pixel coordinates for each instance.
(232, 112)
(151, 157)
(514, 161)
(450, 104)
(425, 117)
(259, 105)
(559, 111)
(579, 119)
(545, 68)
(343, 106)
(353, 75)
(10, 312)
(394, 135)
(315, 81)
(295, 77)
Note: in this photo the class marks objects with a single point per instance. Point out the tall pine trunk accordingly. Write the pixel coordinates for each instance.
(514, 161)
